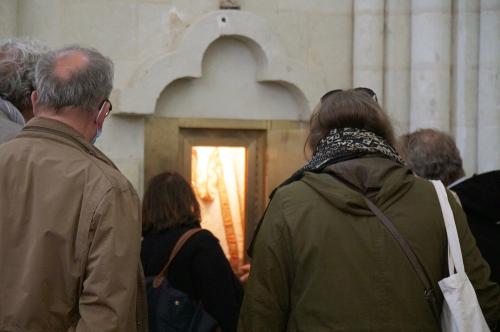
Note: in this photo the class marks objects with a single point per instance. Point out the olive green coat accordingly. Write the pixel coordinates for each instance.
(323, 262)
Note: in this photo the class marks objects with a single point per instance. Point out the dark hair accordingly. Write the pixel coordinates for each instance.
(432, 154)
(169, 202)
(354, 108)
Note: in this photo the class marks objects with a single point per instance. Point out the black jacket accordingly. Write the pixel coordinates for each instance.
(200, 270)
(480, 198)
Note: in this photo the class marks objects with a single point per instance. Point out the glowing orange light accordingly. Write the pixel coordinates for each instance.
(218, 178)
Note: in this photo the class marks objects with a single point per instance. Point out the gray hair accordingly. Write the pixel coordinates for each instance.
(86, 87)
(432, 154)
(18, 58)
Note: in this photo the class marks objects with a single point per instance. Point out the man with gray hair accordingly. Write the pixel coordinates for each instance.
(70, 222)
(18, 59)
(432, 154)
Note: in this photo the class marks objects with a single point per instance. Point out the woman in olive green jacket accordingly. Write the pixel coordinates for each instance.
(322, 261)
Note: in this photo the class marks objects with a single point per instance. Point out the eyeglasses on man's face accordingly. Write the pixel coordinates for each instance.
(368, 91)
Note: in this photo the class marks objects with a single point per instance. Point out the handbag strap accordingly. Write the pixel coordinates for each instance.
(455, 260)
(178, 246)
(404, 245)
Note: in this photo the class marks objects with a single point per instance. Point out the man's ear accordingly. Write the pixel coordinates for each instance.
(34, 101)
(101, 116)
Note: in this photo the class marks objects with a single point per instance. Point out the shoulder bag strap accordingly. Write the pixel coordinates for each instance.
(404, 245)
(178, 246)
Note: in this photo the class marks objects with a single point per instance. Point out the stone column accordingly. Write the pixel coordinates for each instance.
(430, 64)
(488, 126)
(465, 80)
(8, 18)
(368, 47)
(397, 63)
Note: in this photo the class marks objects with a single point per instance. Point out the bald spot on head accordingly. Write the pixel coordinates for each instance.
(68, 63)
(428, 136)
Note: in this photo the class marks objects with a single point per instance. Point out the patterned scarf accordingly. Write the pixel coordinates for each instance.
(339, 145)
(345, 143)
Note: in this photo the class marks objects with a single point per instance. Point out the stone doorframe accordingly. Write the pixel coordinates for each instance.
(152, 77)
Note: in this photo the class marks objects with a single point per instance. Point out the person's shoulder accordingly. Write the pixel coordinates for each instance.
(111, 175)
(204, 239)
(204, 235)
(294, 193)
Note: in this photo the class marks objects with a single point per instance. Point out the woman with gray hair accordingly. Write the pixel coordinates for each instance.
(18, 59)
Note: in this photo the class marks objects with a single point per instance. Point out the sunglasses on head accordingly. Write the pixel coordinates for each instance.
(368, 91)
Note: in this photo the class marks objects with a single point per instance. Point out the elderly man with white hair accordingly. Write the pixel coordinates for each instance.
(18, 59)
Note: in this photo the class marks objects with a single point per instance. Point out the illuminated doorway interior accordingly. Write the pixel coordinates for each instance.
(218, 176)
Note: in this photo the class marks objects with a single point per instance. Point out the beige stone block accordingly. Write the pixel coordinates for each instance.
(108, 26)
(133, 170)
(397, 37)
(397, 43)
(464, 88)
(431, 37)
(490, 5)
(122, 137)
(397, 98)
(158, 25)
(317, 6)
(195, 8)
(466, 138)
(8, 18)
(425, 6)
(292, 29)
(398, 7)
(124, 71)
(261, 7)
(430, 107)
(489, 88)
(41, 20)
(331, 47)
(334, 79)
(369, 7)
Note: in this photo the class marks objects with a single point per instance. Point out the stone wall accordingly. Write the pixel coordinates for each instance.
(433, 63)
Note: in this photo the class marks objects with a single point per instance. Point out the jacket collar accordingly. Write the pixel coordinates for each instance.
(44, 127)
(382, 180)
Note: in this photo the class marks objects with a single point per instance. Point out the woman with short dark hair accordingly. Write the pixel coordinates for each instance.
(322, 261)
(200, 269)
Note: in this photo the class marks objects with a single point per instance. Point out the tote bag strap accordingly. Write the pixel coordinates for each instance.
(178, 246)
(455, 260)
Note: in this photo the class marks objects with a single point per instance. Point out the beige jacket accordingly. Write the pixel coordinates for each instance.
(69, 236)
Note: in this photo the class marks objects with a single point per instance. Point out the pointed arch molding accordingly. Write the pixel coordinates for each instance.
(140, 96)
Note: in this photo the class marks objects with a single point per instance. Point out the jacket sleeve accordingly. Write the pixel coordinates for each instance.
(266, 303)
(477, 269)
(109, 290)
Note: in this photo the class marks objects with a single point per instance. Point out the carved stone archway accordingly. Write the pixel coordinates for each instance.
(141, 95)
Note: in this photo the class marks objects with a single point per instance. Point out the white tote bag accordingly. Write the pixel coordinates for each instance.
(461, 310)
